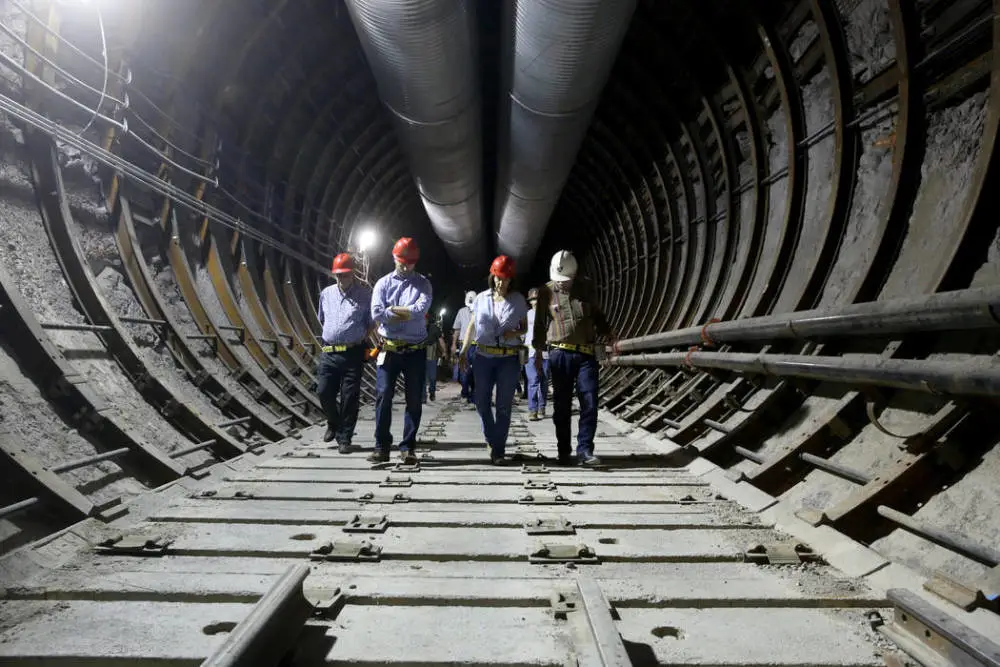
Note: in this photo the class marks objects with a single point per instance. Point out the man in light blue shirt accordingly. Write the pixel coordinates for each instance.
(345, 314)
(400, 301)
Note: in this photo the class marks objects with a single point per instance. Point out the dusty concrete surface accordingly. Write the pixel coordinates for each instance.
(869, 207)
(953, 144)
(869, 36)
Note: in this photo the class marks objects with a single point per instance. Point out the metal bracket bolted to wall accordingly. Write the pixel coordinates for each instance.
(780, 553)
(359, 523)
(543, 498)
(563, 553)
(397, 481)
(133, 545)
(383, 498)
(347, 551)
(549, 526)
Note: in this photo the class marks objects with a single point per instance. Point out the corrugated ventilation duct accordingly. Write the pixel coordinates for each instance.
(424, 57)
(555, 69)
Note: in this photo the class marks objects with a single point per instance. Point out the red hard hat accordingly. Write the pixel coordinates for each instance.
(343, 263)
(503, 267)
(406, 251)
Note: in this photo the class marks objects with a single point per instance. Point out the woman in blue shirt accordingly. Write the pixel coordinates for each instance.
(499, 319)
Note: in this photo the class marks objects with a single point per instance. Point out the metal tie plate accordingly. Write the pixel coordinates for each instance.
(563, 553)
(549, 526)
(540, 484)
(373, 498)
(347, 551)
(780, 553)
(543, 498)
(534, 469)
(368, 523)
(133, 545)
(397, 481)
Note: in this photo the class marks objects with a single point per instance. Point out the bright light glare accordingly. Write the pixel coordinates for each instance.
(443, 311)
(366, 239)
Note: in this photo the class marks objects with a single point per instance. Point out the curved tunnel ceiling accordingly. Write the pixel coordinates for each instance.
(745, 159)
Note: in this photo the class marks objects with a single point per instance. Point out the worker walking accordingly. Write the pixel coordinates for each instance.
(461, 323)
(498, 322)
(399, 303)
(568, 321)
(435, 350)
(345, 314)
(538, 380)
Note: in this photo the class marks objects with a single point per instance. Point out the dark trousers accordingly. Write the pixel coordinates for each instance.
(569, 371)
(413, 366)
(499, 372)
(338, 383)
(469, 382)
(430, 380)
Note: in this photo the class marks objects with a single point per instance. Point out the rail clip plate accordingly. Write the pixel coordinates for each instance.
(549, 526)
(371, 523)
(540, 484)
(563, 553)
(534, 470)
(780, 553)
(383, 498)
(543, 498)
(398, 481)
(563, 603)
(133, 545)
(347, 551)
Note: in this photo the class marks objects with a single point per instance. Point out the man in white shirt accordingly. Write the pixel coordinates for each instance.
(462, 318)
(538, 381)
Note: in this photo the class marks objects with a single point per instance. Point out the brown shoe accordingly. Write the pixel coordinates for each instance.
(378, 456)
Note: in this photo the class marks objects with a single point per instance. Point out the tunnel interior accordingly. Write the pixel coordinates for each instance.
(177, 177)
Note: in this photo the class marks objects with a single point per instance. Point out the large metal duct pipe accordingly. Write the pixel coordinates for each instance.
(561, 54)
(423, 55)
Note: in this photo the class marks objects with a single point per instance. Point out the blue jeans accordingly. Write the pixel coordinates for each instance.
(501, 372)
(469, 382)
(538, 384)
(569, 371)
(431, 379)
(413, 366)
(338, 376)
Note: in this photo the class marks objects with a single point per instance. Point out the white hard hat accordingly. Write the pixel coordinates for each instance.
(563, 266)
(469, 298)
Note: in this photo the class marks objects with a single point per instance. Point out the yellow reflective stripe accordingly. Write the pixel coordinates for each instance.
(569, 347)
(498, 350)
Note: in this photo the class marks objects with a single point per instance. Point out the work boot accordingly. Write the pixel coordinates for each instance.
(532, 416)
(432, 395)
(407, 457)
(497, 459)
(566, 460)
(330, 434)
(344, 448)
(589, 460)
(378, 456)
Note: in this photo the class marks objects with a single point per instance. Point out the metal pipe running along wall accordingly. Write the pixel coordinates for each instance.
(554, 72)
(423, 54)
(971, 378)
(961, 309)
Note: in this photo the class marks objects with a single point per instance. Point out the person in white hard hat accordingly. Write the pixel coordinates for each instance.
(462, 318)
(567, 322)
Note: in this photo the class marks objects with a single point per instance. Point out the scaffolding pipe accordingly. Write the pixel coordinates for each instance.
(959, 378)
(960, 309)
(89, 460)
